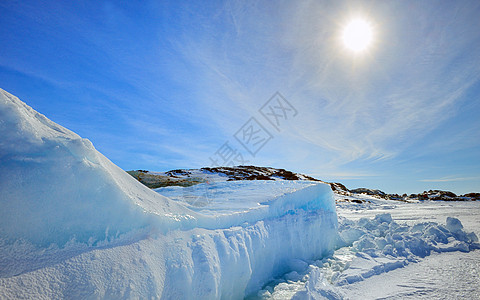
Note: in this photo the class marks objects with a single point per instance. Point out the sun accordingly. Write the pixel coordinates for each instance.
(357, 35)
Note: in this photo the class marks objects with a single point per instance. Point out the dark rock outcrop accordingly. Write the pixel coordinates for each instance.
(369, 192)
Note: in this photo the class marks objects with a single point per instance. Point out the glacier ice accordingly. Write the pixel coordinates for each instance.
(74, 225)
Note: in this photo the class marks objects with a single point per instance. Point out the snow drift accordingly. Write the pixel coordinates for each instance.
(74, 225)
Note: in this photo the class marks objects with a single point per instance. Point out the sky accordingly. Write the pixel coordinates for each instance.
(161, 85)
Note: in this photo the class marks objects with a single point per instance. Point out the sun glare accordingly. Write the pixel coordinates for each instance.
(357, 35)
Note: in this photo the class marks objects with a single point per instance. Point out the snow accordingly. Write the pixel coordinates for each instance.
(73, 225)
(453, 275)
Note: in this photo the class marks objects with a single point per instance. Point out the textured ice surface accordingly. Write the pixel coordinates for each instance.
(198, 263)
(194, 264)
(231, 203)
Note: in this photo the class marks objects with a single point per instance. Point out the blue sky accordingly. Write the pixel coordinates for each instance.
(160, 85)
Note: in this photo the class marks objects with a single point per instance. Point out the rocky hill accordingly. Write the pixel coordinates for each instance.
(435, 195)
(189, 177)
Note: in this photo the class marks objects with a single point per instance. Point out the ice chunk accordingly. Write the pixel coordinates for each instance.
(297, 265)
(318, 287)
(383, 218)
(454, 224)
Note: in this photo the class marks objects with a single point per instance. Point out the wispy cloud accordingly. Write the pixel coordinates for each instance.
(369, 108)
(343, 175)
(450, 179)
(368, 113)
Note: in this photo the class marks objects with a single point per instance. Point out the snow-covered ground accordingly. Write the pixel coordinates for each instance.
(75, 226)
(452, 275)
